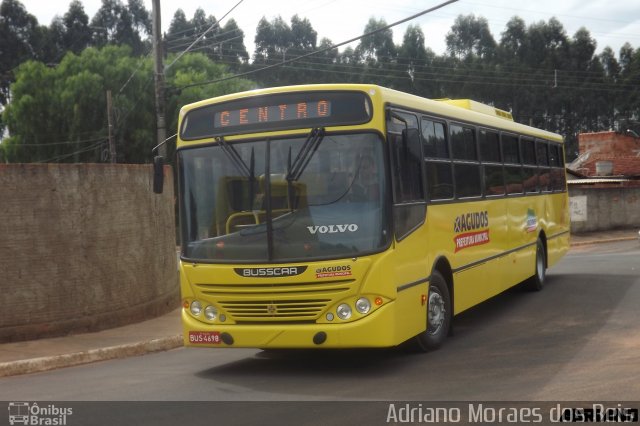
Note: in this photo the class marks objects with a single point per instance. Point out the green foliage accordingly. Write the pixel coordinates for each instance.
(115, 23)
(60, 114)
(221, 44)
(18, 38)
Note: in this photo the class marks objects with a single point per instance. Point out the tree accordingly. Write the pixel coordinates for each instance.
(115, 23)
(60, 114)
(414, 60)
(77, 34)
(232, 50)
(208, 29)
(470, 36)
(379, 47)
(272, 40)
(17, 40)
(629, 105)
(179, 27)
(276, 42)
(221, 44)
(514, 40)
(303, 36)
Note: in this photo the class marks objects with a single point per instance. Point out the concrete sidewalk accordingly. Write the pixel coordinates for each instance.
(158, 334)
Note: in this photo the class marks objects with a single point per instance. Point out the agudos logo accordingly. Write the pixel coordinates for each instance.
(469, 227)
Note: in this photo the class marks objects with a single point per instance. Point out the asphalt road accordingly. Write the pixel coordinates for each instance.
(577, 340)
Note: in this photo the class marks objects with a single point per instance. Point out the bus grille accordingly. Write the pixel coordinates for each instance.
(276, 302)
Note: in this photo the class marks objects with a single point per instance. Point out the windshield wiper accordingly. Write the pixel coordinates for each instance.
(295, 170)
(234, 156)
(236, 159)
(309, 147)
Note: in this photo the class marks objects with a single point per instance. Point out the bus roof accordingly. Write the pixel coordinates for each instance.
(478, 107)
(465, 110)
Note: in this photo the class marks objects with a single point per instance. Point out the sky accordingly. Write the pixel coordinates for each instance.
(611, 23)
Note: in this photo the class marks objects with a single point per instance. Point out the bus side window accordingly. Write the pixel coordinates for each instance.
(434, 143)
(513, 178)
(544, 172)
(529, 169)
(491, 157)
(406, 158)
(466, 168)
(437, 162)
(406, 161)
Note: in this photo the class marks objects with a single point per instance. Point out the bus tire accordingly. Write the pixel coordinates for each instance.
(537, 281)
(439, 315)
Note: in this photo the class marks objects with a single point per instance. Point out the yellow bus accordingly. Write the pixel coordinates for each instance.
(343, 216)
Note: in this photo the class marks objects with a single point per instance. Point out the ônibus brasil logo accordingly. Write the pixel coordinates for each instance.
(27, 413)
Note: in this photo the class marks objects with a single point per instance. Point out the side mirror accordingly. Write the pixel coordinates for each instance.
(158, 174)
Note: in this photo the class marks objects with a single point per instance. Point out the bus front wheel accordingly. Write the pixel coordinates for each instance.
(439, 314)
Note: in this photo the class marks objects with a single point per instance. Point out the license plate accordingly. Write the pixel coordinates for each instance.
(204, 337)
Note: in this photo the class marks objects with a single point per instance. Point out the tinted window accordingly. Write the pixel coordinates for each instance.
(434, 143)
(513, 179)
(489, 146)
(463, 144)
(558, 179)
(544, 179)
(467, 180)
(510, 149)
(528, 150)
(493, 180)
(439, 180)
(530, 179)
(407, 158)
(542, 153)
(553, 155)
(556, 159)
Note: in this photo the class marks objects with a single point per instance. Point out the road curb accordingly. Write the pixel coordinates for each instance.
(34, 365)
(608, 240)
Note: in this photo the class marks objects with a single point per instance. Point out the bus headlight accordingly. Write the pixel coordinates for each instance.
(196, 308)
(363, 305)
(343, 311)
(210, 313)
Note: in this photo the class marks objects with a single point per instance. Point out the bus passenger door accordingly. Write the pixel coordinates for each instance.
(409, 215)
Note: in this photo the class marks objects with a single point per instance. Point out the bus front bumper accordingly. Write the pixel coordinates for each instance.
(375, 330)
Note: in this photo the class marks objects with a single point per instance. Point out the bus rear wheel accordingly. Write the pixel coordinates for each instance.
(536, 282)
(439, 314)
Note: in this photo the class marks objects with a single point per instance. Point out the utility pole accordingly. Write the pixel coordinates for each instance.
(159, 77)
(112, 143)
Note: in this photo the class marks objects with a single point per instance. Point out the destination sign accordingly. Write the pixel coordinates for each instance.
(282, 111)
(273, 113)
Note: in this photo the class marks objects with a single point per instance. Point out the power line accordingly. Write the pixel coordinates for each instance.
(62, 157)
(475, 80)
(183, 41)
(424, 12)
(216, 24)
(61, 143)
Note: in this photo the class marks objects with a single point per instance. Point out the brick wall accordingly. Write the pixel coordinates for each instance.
(621, 150)
(83, 247)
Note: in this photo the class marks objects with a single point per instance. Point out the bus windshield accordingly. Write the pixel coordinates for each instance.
(317, 196)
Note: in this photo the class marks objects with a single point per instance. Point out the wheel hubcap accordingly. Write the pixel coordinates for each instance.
(540, 265)
(436, 312)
